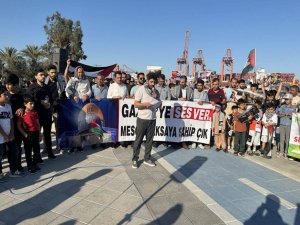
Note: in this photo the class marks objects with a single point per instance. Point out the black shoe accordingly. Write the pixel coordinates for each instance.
(79, 149)
(51, 156)
(134, 164)
(71, 150)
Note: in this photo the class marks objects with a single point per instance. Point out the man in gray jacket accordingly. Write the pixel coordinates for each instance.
(162, 88)
(182, 92)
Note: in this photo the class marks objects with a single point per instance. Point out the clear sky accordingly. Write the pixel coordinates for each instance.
(151, 32)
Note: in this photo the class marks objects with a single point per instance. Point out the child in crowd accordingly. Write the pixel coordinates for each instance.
(285, 114)
(218, 126)
(229, 128)
(269, 122)
(29, 126)
(255, 131)
(240, 129)
(7, 136)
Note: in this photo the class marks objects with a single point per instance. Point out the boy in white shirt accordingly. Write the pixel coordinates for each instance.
(7, 136)
(269, 122)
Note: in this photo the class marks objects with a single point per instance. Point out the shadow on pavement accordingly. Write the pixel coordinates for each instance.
(170, 216)
(178, 176)
(267, 213)
(22, 211)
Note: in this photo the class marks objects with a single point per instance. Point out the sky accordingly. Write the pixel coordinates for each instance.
(139, 33)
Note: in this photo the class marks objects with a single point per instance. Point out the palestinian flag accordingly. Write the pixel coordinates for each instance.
(251, 62)
(92, 71)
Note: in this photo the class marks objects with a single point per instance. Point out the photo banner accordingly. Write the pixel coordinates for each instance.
(294, 144)
(82, 124)
(176, 121)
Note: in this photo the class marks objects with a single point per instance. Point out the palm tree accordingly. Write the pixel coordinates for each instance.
(9, 55)
(33, 54)
(14, 63)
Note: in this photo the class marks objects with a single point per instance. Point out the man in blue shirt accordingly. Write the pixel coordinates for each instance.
(99, 89)
(285, 114)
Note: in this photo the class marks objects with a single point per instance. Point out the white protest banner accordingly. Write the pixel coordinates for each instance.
(294, 144)
(176, 121)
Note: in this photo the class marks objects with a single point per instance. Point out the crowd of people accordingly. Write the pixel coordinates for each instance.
(25, 112)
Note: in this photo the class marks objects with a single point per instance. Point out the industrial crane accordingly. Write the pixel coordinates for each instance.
(184, 59)
(198, 60)
(227, 61)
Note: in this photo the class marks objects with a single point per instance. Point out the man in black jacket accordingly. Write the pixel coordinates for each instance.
(43, 101)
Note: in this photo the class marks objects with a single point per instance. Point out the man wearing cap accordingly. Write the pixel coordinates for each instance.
(285, 114)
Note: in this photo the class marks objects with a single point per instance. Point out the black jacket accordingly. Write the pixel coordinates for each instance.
(40, 93)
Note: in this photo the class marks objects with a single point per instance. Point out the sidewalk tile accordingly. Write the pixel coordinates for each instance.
(109, 217)
(103, 196)
(84, 211)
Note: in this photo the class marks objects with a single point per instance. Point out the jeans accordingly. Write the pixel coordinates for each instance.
(12, 155)
(143, 127)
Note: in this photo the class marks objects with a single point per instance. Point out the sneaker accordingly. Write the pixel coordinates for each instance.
(16, 174)
(291, 159)
(225, 150)
(201, 146)
(194, 145)
(149, 163)
(134, 164)
(236, 153)
(241, 154)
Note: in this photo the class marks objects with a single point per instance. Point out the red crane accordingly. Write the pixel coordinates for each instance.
(227, 61)
(184, 59)
(198, 60)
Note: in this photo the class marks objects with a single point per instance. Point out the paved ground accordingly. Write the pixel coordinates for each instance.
(240, 186)
(186, 187)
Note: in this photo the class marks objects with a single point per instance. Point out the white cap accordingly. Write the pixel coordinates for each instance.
(288, 96)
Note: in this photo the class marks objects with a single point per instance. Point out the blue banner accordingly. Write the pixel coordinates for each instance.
(87, 123)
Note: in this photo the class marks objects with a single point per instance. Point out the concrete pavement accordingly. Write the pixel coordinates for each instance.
(98, 186)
